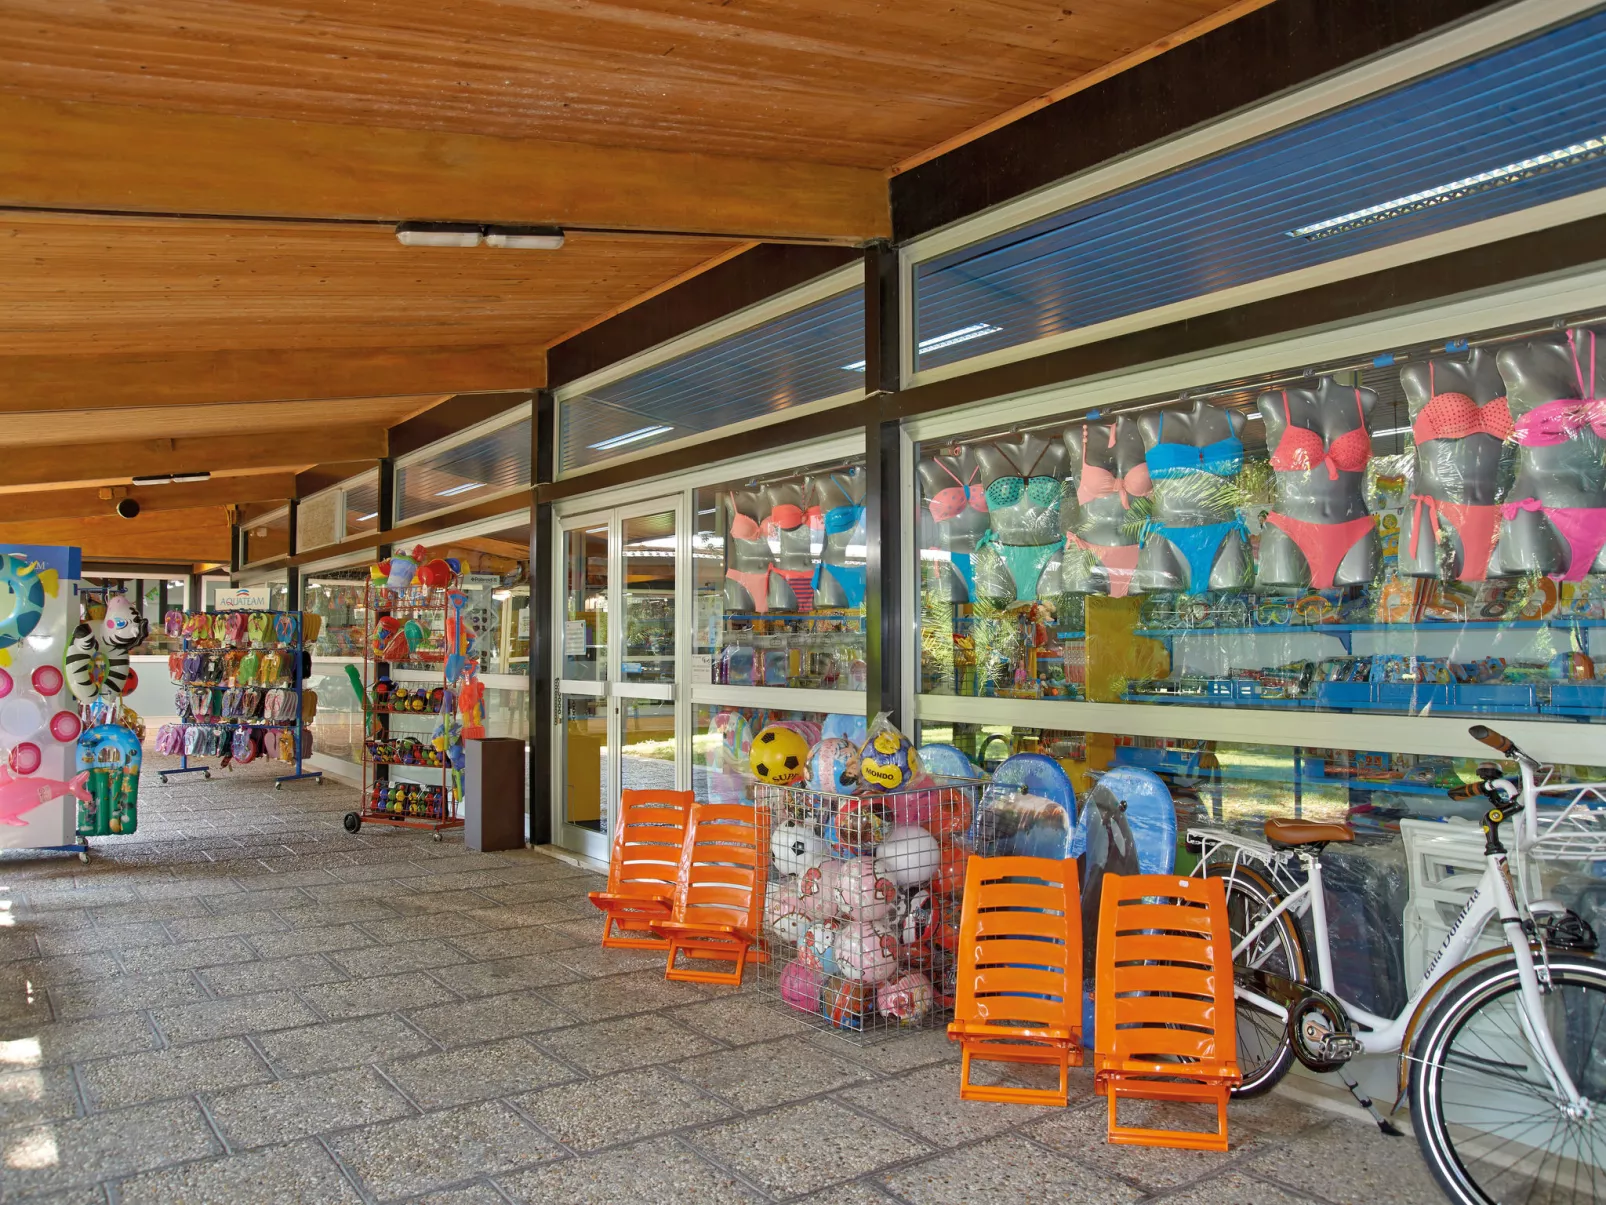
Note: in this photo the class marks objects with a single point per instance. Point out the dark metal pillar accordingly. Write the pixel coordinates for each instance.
(543, 466)
(884, 488)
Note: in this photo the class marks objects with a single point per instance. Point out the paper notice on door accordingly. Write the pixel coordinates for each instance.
(574, 638)
(702, 668)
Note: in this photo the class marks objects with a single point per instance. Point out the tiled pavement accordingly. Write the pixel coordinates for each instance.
(243, 1003)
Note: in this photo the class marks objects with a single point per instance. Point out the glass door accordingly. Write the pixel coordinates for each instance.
(616, 706)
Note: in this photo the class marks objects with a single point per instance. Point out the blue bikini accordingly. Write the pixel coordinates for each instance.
(1201, 544)
(852, 579)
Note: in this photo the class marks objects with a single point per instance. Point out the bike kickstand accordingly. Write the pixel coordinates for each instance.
(1365, 1101)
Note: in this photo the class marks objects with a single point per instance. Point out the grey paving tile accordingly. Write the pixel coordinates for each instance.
(275, 899)
(32, 1095)
(154, 910)
(310, 941)
(302, 1172)
(604, 1046)
(114, 1083)
(472, 1194)
(1081, 1133)
(1373, 1171)
(272, 1113)
(339, 1044)
(401, 1158)
(576, 886)
(590, 1114)
(470, 1073)
(238, 1014)
(503, 975)
(187, 955)
(243, 978)
(393, 928)
(107, 1146)
(772, 1073)
(391, 959)
(229, 924)
(476, 942)
(620, 995)
(381, 994)
(73, 1041)
(126, 993)
(488, 1017)
(110, 937)
(678, 1177)
(69, 968)
(905, 1052)
(587, 957)
(283, 878)
(1007, 1169)
(927, 1102)
(339, 893)
(1235, 1188)
(860, 1192)
(738, 1020)
(21, 945)
(804, 1147)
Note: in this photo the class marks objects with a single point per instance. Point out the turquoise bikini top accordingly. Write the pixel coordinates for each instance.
(1005, 492)
(1224, 458)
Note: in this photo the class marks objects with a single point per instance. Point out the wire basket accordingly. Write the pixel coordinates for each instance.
(861, 916)
(1575, 832)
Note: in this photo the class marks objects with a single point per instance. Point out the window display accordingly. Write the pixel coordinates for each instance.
(722, 745)
(1416, 531)
(781, 579)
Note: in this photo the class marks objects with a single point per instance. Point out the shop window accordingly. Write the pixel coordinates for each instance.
(361, 504)
(722, 740)
(1512, 129)
(483, 466)
(1416, 532)
(496, 580)
(268, 537)
(780, 569)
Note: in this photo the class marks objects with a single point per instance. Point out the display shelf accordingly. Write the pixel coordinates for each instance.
(1304, 772)
(1336, 629)
(1574, 700)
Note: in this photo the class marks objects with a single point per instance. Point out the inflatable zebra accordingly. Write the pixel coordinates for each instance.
(98, 664)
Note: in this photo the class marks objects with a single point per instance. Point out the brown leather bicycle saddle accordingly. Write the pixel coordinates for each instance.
(1306, 832)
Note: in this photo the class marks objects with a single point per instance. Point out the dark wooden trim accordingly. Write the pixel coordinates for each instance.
(735, 284)
(447, 418)
(322, 476)
(1487, 269)
(1283, 46)
(883, 493)
(542, 462)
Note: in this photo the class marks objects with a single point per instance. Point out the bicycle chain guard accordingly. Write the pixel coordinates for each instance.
(1318, 1028)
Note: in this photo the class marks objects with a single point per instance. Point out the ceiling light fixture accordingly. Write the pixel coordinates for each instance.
(524, 238)
(630, 437)
(976, 330)
(460, 489)
(1511, 173)
(438, 234)
(172, 479)
(365, 518)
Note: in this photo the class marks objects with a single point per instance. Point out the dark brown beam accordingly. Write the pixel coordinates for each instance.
(451, 416)
(115, 460)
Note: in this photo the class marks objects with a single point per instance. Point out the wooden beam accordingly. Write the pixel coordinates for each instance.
(200, 534)
(78, 382)
(118, 460)
(85, 502)
(80, 155)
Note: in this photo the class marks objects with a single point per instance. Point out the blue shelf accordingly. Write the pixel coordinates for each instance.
(1173, 761)
(1317, 629)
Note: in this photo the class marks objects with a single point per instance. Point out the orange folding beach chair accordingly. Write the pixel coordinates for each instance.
(719, 897)
(1166, 1027)
(644, 868)
(1019, 997)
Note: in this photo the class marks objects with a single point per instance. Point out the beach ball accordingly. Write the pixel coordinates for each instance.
(816, 946)
(833, 766)
(801, 985)
(859, 823)
(887, 762)
(780, 756)
(795, 847)
(951, 862)
(817, 896)
(846, 1002)
(909, 856)
(781, 914)
(864, 894)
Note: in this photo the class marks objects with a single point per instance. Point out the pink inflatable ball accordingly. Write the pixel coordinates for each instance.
(908, 998)
(781, 910)
(47, 680)
(801, 985)
(938, 810)
(5, 684)
(816, 945)
(909, 856)
(818, 897)
(65, 726)
(865, 895)
(833, 765)
(25, 758)
(866, 951)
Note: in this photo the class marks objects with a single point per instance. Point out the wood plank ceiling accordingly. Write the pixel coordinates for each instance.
(179, 134)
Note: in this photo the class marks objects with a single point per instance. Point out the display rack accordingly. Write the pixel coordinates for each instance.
(388, 797)
(265, 632)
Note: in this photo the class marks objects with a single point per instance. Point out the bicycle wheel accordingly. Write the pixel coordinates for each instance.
(1264, 1052)
(1490, 1125)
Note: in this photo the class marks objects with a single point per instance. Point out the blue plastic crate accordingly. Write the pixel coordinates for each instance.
(1578, 698)
(1335, 696)
(1494, 697)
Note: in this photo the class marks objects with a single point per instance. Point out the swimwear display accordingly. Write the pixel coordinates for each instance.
(1583, 527)
(757, 585)
(1324, 545)
(1474, 526)
(1043, 492)
(802, 583)
(1101, 483)
(1025, 563)
(743, 527)
(1199, 546)
(852, 580)
(1456, 416)
(950, 503)
(1119, 561)
(1300, 449)
(1224, 458)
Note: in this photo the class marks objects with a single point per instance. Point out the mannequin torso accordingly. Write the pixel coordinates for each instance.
(1112, 487)
(1022, 476)
(840, 499)
(954, 505)
(1196, 543)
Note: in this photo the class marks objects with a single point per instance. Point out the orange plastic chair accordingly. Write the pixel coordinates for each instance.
(719, 898)
(1165, 1028)
(644, 868)
(1019, 997)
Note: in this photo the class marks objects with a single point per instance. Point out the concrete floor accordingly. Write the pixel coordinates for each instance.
(242, 1003)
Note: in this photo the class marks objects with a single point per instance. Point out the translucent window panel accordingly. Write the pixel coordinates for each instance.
(361, 502)
(585, 603)
(1284, 542)
(338, 732)
(1245, 215)
(812, 353)
(780, 578)
(318, 521)
(722, 740)
(267, 538)
(585, 762)
(339, 597)
(647, 652)
(488, 464)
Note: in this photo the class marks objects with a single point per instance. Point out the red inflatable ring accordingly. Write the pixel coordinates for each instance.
(65, 726)
(26, 758)
(5, 684)
(47, 680)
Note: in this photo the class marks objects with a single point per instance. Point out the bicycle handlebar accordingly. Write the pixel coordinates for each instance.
(1493, 739)
(1469, 790)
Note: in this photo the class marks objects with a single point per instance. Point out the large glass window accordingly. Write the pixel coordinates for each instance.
(722, 743)
(268, 537)
(481, 466)
(1417, 531)
(780, 569)
(496, 579)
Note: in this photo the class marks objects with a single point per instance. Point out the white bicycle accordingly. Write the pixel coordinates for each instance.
(1503, 1052)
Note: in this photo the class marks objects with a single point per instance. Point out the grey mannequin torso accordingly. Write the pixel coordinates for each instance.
(951, 469)
(791, 547)
(1116, 447)
(830, 491)
(1465, 471)
(1029, 455)
(1192, 498)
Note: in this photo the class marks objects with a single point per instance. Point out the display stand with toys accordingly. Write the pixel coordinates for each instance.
(242, 691)
(414, 729)
(868, 854)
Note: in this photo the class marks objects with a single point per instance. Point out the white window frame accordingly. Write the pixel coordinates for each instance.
(272, 516)
(525, 411)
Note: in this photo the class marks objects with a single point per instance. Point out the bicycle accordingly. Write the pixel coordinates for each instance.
(1506, 1074)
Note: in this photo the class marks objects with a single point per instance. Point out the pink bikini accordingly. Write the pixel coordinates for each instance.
(950, 503)
(1456, 416)
(784, 517)
(1324, 545)
(1583, 527)
(1119, 560)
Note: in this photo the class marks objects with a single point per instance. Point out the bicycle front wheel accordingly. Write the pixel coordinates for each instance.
(1491, 1124)
(1264, 1051)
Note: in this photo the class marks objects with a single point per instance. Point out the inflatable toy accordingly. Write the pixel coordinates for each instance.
(795, 847)
(801, 984)
(19, 795)
(909, 856)
(27, 585)
(950, 876)
(5, 683)
(946, 761)
(65, 726)
(858, 823)
(816, 946)
(25, 758)
(863, 893)
(779, 756)
(848, 727)
(887, 761)
(20, 718)
(1144, 804)
(1028, 810)
(908, 998)
(47, 680)
(122, 627)
(781, 914)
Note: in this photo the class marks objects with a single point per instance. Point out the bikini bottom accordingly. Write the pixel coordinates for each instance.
(1026, 563)
(850, 579)
(757, 585)
(1475, 526)
(1325, 545)
(802, 583)
(1199, 546)
(1583, 527)
(1119, 560)
(964, 564)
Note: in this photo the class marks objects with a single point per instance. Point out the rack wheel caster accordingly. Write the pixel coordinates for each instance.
(352, 822)
(83, 851)
(437, 834)
(207, 774)
(162, 778)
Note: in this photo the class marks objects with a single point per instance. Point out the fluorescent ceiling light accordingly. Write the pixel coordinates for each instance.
(172, 478)
(365, 518)
(630, 437)
(1389, 431)
(1511, 173)
(976, 330)
(524, 238)
(460, 489)
(438, 234)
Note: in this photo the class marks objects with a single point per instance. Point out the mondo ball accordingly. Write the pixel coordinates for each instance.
(780, 756)
(887, 762)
